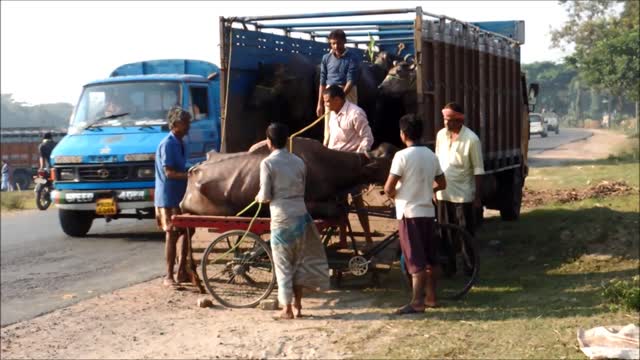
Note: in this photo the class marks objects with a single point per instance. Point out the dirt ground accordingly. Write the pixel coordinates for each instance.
(150, 321)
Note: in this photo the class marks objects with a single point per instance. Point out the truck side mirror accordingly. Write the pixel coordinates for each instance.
(533, 96)
(212, 76)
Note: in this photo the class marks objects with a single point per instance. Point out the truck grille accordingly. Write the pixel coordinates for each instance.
(102, 173)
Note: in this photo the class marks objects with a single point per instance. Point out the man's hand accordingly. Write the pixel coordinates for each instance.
(320, 109)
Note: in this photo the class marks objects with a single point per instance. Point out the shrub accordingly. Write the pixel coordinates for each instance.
(623, 294)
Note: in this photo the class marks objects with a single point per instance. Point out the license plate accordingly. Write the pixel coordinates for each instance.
(106, 207)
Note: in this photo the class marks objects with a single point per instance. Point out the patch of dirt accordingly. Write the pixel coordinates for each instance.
(534, 198)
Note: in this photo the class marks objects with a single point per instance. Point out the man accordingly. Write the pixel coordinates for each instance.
(298, 255)
(339, 67)
(414, 176)
(45, 148)
(349, 131)
(171, 184)
(6, 176)
(460, 154)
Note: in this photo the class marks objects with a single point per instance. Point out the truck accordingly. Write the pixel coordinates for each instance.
(104, 167)
(20, 150)
(476, 64)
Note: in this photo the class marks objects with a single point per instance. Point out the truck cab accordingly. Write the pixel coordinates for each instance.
(104, 167)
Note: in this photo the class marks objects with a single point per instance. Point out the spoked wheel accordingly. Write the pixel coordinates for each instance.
(237, 271)
(43, 196)
(459, 261)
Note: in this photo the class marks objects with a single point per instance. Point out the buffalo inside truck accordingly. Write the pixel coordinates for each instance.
(269, 72)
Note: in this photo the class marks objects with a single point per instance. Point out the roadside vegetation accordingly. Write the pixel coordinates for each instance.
(17, 200)
(568, 263)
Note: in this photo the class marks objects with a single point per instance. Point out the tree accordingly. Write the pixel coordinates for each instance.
(607, 50)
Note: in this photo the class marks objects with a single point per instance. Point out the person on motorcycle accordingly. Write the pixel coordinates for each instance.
(45, 148)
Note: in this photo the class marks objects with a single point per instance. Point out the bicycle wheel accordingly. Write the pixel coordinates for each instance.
(459, 260)
(237, 273)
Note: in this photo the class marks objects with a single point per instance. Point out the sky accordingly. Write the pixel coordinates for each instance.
(50, 49)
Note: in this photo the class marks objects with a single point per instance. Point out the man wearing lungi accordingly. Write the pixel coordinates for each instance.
(299, 257)
(414, 176)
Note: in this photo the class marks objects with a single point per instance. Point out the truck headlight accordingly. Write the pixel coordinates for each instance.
(146, 172)
(140, 157)
(67, 174)
(67, 159)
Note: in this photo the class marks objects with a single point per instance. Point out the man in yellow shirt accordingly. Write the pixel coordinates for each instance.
(459, 152)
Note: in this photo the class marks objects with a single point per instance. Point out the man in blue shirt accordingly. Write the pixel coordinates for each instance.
(339, 67)
(171, 184)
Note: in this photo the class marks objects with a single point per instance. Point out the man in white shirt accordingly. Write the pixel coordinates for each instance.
(349, 131)
(414, 176)
(460, 154)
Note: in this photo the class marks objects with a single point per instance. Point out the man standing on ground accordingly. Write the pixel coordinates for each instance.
(171, 184)
(6, 176)
(339, 67)
(414, 176)
(298, 255)
(349, 131)
(460, 154)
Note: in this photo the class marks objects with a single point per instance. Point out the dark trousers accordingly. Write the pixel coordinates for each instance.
(460, 214)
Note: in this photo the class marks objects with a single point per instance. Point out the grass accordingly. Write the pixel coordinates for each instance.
(559, 268)
(17, 200)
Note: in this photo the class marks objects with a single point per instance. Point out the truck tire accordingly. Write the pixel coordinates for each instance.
(21, 179)
(75, 223)
(511, 188)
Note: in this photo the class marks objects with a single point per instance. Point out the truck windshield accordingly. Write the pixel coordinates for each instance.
(125, 104)
(535, 118)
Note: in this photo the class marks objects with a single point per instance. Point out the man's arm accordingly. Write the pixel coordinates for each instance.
(477, 164)
(390, 185)
(264, 194)
(439, 183)
(352, 74)
(322, 87)
(361, 125)
(173, 174)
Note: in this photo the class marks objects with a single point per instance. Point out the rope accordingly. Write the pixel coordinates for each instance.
(245, 209)
(243, 235)
(301, 131)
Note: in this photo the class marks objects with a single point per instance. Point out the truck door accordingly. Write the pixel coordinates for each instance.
(201, 134)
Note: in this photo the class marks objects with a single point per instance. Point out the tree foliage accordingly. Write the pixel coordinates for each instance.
(607, 50)
(18, 114)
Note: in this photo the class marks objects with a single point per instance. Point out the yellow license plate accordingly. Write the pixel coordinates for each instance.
(106, 207)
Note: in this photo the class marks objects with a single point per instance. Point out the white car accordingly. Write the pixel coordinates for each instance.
(552, 122)
(537, 125)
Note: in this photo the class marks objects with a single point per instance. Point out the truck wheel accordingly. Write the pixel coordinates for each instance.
(557, 130)
(512, 191)
(75, 223)
(21, 179)
(544, 134)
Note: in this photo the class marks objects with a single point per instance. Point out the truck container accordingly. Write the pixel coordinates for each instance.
(20, 150)
(104, 167)
(476, 64)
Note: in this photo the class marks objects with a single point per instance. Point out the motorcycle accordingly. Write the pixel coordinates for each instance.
(43, 189)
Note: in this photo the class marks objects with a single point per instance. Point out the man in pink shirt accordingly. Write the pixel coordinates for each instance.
(349, 131)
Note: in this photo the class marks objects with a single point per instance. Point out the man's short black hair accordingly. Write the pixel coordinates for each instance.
(338, 34)
(455, 107)
(411, 126)
(278, 133)
(333, 91)
(47, 136)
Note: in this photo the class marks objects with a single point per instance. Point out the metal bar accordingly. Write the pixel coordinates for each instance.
(328, 28)
(327, 14)
(366, 33)
(475, 27)
(380, 41)
(419, 54)
(336, 24)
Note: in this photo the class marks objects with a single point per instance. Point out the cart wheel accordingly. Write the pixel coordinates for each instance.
(459, 263)
(238, 274)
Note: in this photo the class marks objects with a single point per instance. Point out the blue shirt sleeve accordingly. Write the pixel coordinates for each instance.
(173, 157)
(352, 72)
(323, 70)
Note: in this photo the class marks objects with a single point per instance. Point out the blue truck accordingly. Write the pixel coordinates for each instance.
(104, 167)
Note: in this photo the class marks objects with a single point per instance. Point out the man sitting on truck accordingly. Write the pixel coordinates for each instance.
(171, 184)
(45, 148)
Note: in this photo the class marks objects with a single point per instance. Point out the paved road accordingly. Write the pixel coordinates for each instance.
(43, 269)
(538, 144)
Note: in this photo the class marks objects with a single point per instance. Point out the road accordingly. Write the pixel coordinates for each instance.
(43, 269)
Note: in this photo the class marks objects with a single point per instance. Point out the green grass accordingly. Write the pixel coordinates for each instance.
(17, 200)
(541, 278)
